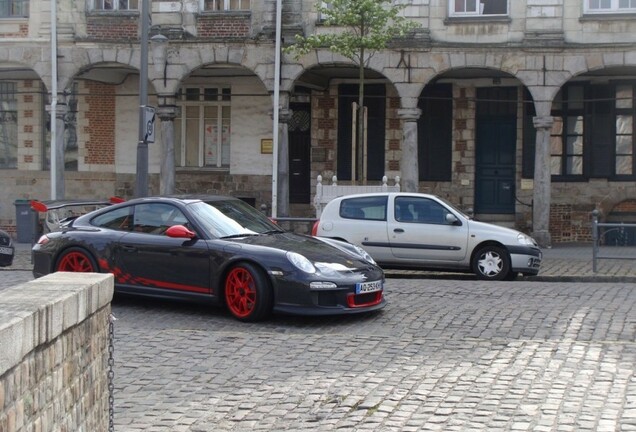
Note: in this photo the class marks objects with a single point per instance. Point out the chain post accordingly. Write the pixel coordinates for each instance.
(111, 372)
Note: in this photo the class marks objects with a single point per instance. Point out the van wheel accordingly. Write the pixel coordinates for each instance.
(491, 263)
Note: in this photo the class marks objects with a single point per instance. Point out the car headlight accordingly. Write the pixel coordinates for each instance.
(301, 262)
(526, 240)
(364, 254)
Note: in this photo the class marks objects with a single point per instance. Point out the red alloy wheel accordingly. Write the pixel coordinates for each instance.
(76, 261)
(240, 292)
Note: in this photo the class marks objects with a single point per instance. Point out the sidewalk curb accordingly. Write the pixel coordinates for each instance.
(548, 278)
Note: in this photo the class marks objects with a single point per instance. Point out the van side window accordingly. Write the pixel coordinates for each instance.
(364, 208)
(419, 210)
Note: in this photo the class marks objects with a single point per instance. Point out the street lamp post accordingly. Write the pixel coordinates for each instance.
(141, 185)
(276, 113)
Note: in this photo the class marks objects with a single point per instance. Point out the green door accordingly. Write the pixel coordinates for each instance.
(299, 129)
(495, 165)
(495, 149)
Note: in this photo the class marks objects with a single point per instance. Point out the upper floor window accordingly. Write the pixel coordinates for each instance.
(610, 6)
(109, 5)
(326, 5)
(14, 8)
(478, 7)
(8, 125)
(226, 5)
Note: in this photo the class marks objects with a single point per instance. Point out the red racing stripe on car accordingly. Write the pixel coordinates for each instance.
(126, 278)
(170, 285)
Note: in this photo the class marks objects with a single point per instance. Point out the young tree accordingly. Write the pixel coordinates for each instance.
(364, 27)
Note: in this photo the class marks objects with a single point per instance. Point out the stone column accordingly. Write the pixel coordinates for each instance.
(167, 113)
(284, 116)
(408, 164)
(60, 111)
(542, 182)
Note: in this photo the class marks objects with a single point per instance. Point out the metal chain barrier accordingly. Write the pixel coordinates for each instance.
(111, 372)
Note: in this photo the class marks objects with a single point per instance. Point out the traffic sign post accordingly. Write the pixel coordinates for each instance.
(149, 122)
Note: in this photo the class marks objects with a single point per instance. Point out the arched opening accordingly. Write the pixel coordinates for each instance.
(470, 142)
(330, 93)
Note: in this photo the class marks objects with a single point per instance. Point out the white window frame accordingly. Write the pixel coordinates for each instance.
(226, 5)
(221, 102)
(612, 9)
(15, 9)
(327, 5)
(477, 12)
(100, 5)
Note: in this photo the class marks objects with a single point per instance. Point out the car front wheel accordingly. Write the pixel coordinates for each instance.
(248, 295)
(491, 263)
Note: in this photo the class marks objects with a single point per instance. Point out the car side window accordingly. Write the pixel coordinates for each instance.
(419, 210)
(118, 219)
(156, 218)
(364, 208)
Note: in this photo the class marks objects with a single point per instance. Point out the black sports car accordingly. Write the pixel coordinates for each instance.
(7, 251)
(216, 249)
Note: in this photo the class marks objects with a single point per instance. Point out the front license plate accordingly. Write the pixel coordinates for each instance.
(6, 251)
(367, 287)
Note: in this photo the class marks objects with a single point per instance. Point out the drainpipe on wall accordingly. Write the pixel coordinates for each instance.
(276, 109)
(53, 155)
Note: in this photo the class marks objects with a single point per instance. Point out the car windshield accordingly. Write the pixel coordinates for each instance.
(231, 218)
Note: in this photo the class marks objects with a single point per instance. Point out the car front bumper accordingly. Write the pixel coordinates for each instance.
(337, 309)
(295, 295)
(526, 260)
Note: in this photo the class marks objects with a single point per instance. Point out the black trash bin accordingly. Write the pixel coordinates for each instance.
(25, 220)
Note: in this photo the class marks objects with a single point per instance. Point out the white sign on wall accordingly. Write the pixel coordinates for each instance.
(169, 6)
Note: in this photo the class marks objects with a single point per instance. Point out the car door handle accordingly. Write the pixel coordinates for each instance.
(128, 248)
(398, 230)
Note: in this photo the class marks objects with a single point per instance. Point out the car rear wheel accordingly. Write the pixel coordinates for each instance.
(76, 260)
(491, 263)
(248, 295)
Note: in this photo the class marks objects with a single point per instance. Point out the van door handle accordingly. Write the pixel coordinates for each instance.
(398, 230)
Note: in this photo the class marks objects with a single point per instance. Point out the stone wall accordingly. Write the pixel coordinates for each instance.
(54, 353)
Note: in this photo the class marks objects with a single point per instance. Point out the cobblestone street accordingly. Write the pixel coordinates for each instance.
(551, 354)
(444, 355)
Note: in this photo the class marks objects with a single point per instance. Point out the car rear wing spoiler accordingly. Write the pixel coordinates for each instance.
(44, 206)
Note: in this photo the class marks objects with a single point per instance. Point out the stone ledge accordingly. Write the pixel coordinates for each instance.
(37, 312)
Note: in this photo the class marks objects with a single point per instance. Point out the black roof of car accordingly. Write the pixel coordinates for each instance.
(185, 198)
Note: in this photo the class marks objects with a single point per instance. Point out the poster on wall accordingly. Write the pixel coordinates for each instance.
(210, 144)
(225, 146)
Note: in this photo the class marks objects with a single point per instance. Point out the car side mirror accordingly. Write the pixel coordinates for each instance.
(451, 219)
(179, 231)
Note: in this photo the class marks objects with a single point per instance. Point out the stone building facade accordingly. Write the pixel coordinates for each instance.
(521, 112)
